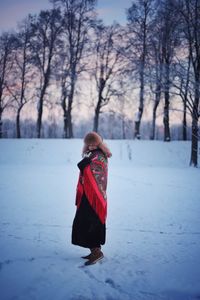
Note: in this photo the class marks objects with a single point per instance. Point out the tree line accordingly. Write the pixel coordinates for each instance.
(156, 54)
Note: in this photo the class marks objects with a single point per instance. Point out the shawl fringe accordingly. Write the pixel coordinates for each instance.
(94, 196)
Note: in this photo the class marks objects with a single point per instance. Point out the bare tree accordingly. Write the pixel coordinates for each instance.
(6, 63)
(121, 103)
(139, 20)
(190, 12)
(182, 83)
(170, 22)
(184, 95)
(108, 66)
(77, 22)
(156, 70)
(19, 85)
(46, 31)
(164, 41)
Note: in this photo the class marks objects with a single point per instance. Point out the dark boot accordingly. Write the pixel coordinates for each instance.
(95, 256)
(89, 255)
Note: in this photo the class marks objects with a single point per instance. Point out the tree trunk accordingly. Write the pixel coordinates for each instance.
(166, 120)
(123, 129)
(98, 107)
(2, 84)
(194, 145)
(69, 118)
(1, 125)
(184, 121)
(96, 116)
(152, 137)
(195, 116)
(69, 111)
(167, 137)
(1, 114)
(68, 126)
(63, 104)
(141, 105)
(185, 100)
(40, 103)
(18, 129)
(156, 103)
(39, 119)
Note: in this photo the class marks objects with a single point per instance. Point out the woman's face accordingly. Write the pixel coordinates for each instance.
(92, 147)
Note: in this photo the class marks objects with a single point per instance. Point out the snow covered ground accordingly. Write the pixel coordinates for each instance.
(152, 249)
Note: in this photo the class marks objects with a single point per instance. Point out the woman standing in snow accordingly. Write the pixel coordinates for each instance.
(89, 225)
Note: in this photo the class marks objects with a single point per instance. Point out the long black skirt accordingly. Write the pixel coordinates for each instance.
(87, 229)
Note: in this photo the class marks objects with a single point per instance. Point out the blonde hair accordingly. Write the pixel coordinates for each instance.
(93, 138)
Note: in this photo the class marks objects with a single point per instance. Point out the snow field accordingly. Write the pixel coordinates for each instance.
(153, 226)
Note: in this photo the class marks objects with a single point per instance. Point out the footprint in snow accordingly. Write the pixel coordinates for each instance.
(6, 262)
(140, 272)
(112, 283)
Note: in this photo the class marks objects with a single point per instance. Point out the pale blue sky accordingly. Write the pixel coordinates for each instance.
(13, 11)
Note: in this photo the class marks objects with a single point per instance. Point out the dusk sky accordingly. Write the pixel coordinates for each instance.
(13, 11)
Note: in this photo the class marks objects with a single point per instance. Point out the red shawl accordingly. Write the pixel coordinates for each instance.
(93, 182)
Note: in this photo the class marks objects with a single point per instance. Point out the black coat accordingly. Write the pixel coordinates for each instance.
(87, 229)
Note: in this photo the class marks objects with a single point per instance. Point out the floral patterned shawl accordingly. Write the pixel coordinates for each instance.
(93, 182)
